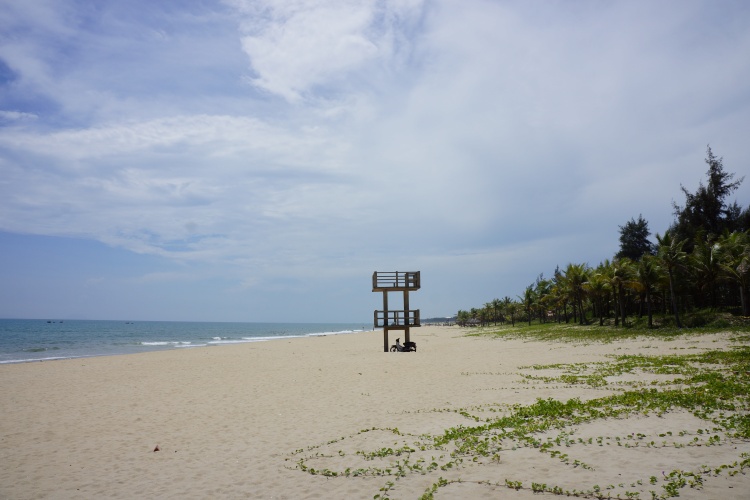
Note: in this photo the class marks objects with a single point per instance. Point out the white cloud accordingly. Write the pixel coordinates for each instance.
(225, 137)
(207, 172)
(296, 48)
(17, 116)
(489, 138)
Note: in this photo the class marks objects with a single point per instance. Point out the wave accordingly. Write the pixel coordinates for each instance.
(341, 332)
(41, 349)
(165, 342)
(130, 346)
(245, 340)
(30, 360)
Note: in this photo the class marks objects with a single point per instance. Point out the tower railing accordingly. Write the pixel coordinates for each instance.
(395, 319)
(395, 280)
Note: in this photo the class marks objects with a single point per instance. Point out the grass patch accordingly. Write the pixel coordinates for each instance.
(712, 386)
(571, 332)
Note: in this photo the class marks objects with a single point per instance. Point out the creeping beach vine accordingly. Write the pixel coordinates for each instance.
(712, 386)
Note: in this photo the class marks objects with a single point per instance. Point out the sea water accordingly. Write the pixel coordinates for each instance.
(28, 340)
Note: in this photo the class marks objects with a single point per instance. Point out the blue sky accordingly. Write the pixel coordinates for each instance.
(258, 160)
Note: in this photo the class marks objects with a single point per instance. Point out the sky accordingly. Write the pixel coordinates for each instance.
(253, 160)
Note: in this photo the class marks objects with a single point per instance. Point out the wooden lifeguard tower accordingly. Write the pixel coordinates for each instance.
(403, 319)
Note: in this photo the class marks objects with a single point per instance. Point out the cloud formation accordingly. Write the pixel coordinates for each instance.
(286, 145)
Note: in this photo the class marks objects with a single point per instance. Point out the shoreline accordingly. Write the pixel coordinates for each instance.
(243, 420)
(23, 341)
(177, 346)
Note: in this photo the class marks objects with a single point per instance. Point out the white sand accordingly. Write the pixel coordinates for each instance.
(233, 421)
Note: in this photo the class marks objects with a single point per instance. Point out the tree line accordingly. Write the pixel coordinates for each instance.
(700, 263)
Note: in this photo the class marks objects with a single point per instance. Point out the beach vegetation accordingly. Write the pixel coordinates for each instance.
(699, 266)
(690, 284)
(711, 385)
(634, 242)
(708, 209)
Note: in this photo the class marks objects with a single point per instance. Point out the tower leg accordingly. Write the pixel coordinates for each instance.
(406, 307)
(385, 321)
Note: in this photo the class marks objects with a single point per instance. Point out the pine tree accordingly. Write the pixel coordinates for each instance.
(707, 209)
(634, 242)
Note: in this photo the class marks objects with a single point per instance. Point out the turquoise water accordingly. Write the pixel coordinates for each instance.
(38, 340)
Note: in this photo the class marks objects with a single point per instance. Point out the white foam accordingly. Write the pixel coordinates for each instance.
(174, 343)
(31, 360)
(342, 332)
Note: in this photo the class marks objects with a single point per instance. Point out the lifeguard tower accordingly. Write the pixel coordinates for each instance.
(404, 319)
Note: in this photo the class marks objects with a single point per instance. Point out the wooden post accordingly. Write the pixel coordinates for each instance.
(406, 313)
(385, 321)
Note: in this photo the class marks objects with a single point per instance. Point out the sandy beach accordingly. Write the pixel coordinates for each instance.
(315, 418)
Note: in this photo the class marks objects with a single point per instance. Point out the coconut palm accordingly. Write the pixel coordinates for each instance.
(528, 300)
(597, 287)
(509, 309)
(486, 314)
(474, 314)
(560, 297)
(543, 297)
(462, 317)
(553, 300)
(706, 267)
(497, 306)
(647, 276)
(670, 254)
(620, 275)
(735, 262)
(575, 277)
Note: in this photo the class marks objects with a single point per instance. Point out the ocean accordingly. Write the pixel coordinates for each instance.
(26, 340)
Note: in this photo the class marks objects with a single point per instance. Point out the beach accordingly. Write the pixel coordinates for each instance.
(315, 417)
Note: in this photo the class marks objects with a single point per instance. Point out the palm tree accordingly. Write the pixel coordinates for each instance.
(735, 262)
(509, 307)
(553, 300)
(619, 273)
(669, 252)
(575, 276)
(496, 307)
(474, 314)
(462, 317)
(542, 292)
(705, 264)
(647, 275)
(528, 301)
(486, 314)
(560, 297)
(597, 287)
